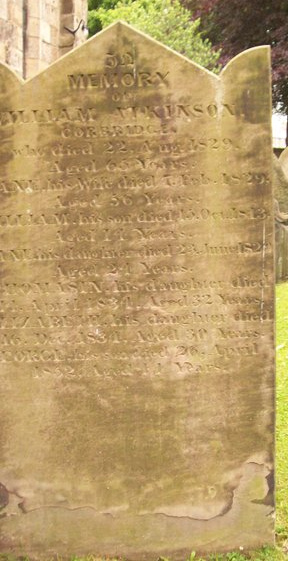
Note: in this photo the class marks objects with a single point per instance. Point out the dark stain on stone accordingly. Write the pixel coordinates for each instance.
(229, 504)
(4, 500)
(4, 496)
(269, 498)
(21, 506)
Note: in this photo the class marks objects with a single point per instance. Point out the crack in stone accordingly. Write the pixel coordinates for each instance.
(84, 507)
(224, 511)
(5, 495)
(266, 501)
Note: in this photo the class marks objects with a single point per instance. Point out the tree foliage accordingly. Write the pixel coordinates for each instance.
(236, 25)
(94, 21)
(164, 20)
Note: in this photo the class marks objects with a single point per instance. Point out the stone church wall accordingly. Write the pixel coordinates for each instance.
(33, 34)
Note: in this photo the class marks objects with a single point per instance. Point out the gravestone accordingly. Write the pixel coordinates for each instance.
(280, 180)
(280, 184)
(137, 303)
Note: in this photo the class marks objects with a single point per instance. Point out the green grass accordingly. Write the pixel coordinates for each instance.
(280, 552)
(282, 416)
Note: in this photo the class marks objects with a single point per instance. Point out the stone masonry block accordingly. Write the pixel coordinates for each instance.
(33, 9)
(45, 32)
(4, 9)
(67, 6)
(33, 27)
(33, 47)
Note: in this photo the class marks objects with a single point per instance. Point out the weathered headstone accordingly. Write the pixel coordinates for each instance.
(280, 184)
(137, 303)
(280, 180)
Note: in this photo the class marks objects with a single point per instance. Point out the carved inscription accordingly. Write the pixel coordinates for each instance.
(136, 272)
(89, 200)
